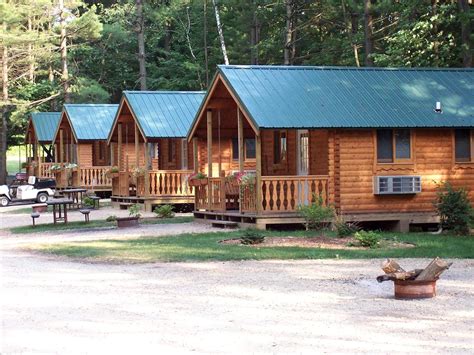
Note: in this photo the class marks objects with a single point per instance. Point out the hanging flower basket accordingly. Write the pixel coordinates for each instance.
(197, 179)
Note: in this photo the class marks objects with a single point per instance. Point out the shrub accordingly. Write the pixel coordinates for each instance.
(134, 210)
(453, 208)
(111, 218)
(367, 239)
(316, 215)
(164, 211)
(88, 202)
(344, 228)
(252, 236)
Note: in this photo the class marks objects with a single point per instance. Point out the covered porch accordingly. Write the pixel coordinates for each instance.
(147, 170)
(255, 175)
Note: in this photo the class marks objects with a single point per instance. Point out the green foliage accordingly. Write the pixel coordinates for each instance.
(89, 91)
(368, 239)
(316, 215)
(134, 210)
(252, 236)
(164, 211)
(88, 202)
(454, 208)
(112, 218)
(344, 228)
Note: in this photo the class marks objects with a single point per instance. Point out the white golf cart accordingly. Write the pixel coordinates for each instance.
(39, 190)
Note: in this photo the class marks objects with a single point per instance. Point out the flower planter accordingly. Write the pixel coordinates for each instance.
(125, 222)
(113, 175)
(40, 207)
(412, 289)
(197, 182)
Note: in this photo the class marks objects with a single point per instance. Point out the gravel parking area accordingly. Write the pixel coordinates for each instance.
(55, 306)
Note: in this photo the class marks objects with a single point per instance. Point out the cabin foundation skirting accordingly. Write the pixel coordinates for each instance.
(401, 221)
(149, 203)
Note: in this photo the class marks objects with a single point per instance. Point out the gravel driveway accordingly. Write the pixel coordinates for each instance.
(58, 307)
(54, 306)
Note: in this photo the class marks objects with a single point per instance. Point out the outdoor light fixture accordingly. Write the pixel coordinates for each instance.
(438, 107)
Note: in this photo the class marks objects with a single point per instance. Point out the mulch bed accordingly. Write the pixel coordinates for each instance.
(322, 242)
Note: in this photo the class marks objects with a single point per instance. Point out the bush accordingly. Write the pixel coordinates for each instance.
(344, 228)
(252, 236)
(316, 215)
(88, 202)
(134, 210)
(164, 211)
(111, 218)
(453, 208)
(367, 239)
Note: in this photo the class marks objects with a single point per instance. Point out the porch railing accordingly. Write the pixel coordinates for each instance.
(93, 177)
(165, 183)
(44, 170)
(287, 193)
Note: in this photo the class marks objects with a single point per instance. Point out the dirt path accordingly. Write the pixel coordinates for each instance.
(58, 307)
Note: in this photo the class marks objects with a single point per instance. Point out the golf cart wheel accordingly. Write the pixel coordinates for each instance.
(42, 198)
(4, 201)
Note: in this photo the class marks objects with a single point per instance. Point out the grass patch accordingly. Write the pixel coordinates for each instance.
(206, 247)
(80, 225)
(26, 210)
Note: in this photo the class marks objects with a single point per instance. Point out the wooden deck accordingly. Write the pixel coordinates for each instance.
(401, 221)
(150, 202)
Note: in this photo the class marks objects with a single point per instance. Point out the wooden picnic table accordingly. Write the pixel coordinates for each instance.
(59, 209)
(76, 196)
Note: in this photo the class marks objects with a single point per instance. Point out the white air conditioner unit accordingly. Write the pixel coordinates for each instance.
(393, 185)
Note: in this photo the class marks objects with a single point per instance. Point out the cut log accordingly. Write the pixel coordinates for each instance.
(405, 275)
(390, 266)
(434, 269)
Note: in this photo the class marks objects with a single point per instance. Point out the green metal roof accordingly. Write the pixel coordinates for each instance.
(45, 125)
(91, 121)
(340, 97)
(164, 113)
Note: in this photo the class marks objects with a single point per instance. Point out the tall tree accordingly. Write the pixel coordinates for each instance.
(466, 34)
(63, 49)
(220, 32)
(140, 29)
(3, 130)
(368, 32)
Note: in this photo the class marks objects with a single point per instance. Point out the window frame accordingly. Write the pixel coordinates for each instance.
(471, 141)
(395, 160)
(172, 151)
(282, 157)
(245, 150)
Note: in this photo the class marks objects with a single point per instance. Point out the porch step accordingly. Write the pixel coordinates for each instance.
(224, 224)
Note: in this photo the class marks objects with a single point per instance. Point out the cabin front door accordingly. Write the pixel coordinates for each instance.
(303, 152)
(303, 189)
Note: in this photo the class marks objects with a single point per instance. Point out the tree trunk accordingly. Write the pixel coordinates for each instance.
(31, 64)
(434, 23)
(63, 49)
(140, 29)
(206, 60)
(254, 36)
(465, 33)
(368, 29)
(3, 130)
(221, 33)
(288, 32)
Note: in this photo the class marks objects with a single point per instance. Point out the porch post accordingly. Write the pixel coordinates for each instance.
(219, 141)
(61, 145)
(240, 135)
(258, 189)
(195, 155)
(209, 143)
(119, 149)
(147, 167)
(137, 148)
(209, 158)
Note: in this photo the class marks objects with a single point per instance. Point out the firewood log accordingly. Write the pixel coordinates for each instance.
(404, 275)
(390, 266)
(434, 269)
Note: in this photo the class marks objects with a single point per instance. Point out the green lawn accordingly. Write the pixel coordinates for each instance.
(91, 225)
(206, 247)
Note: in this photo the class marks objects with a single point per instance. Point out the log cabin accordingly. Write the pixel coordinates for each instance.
(152, 157)
(82, 154)
(39, 140)
(371, 142)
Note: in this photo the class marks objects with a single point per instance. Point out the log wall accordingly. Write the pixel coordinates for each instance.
(353, 165)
